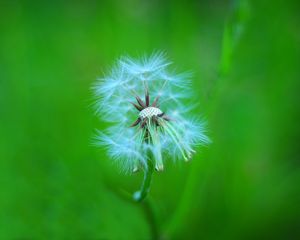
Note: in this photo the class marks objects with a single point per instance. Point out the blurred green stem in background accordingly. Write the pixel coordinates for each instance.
(233, 29)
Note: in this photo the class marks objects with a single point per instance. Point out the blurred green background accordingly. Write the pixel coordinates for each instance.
(245, 56)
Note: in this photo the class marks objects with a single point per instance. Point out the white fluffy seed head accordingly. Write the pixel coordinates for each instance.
(172, 139)
(149, 112)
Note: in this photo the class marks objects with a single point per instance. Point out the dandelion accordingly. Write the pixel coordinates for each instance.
(145, 102)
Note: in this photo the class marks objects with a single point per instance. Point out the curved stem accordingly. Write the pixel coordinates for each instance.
(145, 187)
(146, 206)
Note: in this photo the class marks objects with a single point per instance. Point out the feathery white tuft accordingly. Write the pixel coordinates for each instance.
(162, 125)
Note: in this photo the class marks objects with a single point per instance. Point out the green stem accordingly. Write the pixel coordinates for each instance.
(146, 206)
(149, 214)
(145, 187)
(140, 195)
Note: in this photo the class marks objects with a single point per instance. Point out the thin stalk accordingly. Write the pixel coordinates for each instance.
(140, 196)
(149, 214)
(145, 187)
(146, 206)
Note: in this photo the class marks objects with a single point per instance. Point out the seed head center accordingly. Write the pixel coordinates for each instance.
(149, 112)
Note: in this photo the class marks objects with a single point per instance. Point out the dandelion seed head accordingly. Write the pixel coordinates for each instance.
(145, 102)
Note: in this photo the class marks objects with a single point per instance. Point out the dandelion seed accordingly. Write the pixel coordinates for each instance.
(152, 98)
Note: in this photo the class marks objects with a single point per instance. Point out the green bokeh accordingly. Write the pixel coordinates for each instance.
(245, 56)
